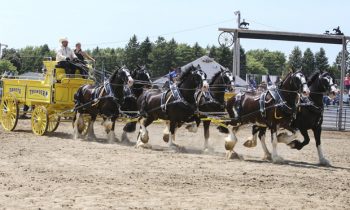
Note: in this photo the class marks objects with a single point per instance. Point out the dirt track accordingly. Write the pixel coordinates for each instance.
(57, 172)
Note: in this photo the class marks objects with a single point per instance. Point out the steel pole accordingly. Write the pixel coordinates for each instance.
(342, 74)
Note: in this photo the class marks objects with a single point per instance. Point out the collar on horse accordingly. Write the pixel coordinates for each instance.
(176, 94)
(279, 102)
(209, 99)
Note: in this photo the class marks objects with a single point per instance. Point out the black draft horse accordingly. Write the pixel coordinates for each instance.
(309, 116)
(104, 100)
(212, 103)
(142, 82)
(272, 108)
(176, 105)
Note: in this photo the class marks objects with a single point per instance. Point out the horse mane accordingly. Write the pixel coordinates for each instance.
(113, 75)
(284, 78)
(313, 77)
(216, 75)
(186, 72)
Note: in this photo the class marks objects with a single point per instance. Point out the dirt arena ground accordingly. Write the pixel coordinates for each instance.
(56, 172)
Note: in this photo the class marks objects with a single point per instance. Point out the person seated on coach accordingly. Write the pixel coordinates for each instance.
(66, 58)
(81, 54)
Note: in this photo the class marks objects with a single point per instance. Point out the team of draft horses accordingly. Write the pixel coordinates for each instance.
(295, 104)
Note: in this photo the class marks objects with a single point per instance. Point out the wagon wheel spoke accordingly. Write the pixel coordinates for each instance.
(9, 112)
(40, 120)
(54, 121)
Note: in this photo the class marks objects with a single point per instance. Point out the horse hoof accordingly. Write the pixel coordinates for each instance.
(325, 162)
(267, 157)
(277, 160)
(250, 143)
(166, 138)
(295, 144)
(231, 155)
(144, 137)
(143, 145)
(229, 145)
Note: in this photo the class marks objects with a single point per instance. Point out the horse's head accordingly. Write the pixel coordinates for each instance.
(194, 77)
(200, 78)
(297, 82)
(327, 83)
(228, 78)
(142, 76)
(123, 74)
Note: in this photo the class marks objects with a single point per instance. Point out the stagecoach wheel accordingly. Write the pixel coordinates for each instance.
(9, 112)
(54, 121)
(226, 39)
(40, 120)
(348, 46)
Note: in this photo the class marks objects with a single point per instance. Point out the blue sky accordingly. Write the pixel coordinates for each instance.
(110, 23)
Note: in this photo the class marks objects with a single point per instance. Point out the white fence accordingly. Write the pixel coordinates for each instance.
(331, 118)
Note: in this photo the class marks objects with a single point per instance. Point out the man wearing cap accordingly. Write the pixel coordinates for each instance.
(65, 56)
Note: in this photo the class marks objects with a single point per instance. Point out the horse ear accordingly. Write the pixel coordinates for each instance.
(291, 70)
(138, 66)
(117, 66)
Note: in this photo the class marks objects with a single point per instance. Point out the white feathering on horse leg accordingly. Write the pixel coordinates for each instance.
(91, 133)
(275, 157)
(76, 132)
(323, 160)
(142, 140)
(111, 136)
(166, 131)
(230, 142)
(267, 155)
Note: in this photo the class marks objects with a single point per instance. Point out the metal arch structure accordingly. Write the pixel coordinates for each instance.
(296, 37)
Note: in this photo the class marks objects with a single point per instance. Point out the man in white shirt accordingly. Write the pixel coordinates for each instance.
(64, 52)
(66, 59)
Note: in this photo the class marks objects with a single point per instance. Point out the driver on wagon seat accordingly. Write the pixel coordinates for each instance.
(65, 56)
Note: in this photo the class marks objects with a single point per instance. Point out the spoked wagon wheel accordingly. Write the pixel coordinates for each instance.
(83, 127)
(40, 120)
(54, 121)
(9, 112)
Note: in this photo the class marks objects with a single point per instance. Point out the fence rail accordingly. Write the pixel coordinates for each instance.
(331, 118)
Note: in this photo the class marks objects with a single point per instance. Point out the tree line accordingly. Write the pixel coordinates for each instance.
(163, 55)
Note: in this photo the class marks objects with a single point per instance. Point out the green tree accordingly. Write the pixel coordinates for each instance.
(184, 54)
(273, 61)
(198, 51)
(295, 59)
(224, 56)
(7, 66)
(132, 53)
(213, 52)
(13, 56)
(308, 62)
(321, 60)
(158, 57)
(254, 66)
(145, 51)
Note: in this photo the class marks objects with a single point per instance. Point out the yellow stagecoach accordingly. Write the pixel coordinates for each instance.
(50, 97)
